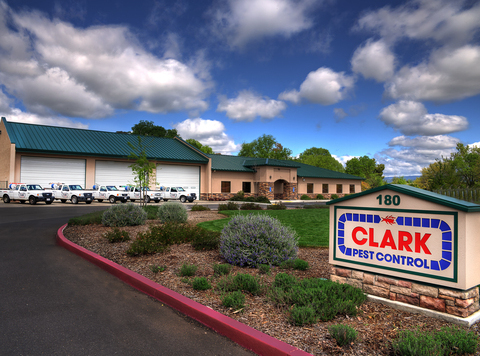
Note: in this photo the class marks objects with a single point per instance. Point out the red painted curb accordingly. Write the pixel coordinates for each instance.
(246, 336)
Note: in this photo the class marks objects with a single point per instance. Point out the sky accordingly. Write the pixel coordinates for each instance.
(398, 81)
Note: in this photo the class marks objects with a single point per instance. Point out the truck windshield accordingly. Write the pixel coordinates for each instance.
(75, 187)
(34, 187)
(111, 188)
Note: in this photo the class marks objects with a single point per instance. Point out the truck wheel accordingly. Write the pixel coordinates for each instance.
(63, 200)
(74, 200)
(100, 200)
(111, 199)
(124, 201)
(88, 202)
(147, 199)
(6, 199)
(32, 200)
(183, 199)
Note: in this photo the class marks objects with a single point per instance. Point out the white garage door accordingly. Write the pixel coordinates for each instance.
(188, 177)
(46, 170)
(113, 173)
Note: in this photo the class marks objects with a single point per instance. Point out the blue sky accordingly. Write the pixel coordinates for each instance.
(399, 82)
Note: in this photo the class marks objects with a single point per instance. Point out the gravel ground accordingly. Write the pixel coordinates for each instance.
(376, 324)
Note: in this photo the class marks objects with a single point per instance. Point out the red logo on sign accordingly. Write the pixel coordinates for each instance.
(390, 220)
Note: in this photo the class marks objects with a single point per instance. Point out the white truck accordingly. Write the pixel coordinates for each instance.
(22, 192)
(110, 193)
(72, 192)
(149, 195)
(177, 193)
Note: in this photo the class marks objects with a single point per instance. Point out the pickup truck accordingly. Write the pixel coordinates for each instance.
(73, 192)
(110, 192)
(177, 193)
(133, 194)
(22, 192)
(149, 195)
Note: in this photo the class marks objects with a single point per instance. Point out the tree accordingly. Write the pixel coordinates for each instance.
(203, 148)
(265, 146)
(142, 168)
(148, 128)
(367, 168)
(460, 170)
(320, 157)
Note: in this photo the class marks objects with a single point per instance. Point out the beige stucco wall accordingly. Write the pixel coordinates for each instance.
(235, 178)
(7, 156)
(332, 185)
(468, 235)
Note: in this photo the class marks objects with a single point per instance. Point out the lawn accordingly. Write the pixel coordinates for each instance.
(311, 225)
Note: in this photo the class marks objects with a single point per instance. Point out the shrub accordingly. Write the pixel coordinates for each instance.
(284, 281)
(252, 240)
(234, 300)
(151, 211)
(155, 269)
(172, 212)
(201, 283)
(334, 196)
(205, 240)
(250, 206)
(343, 334)
(124, 215)
(300, 264)
(229, 206)
(197, 207)
(240, 196)
(320, 197)
(288, 264)
(278, 206)
(188, 270)
(305, 197)
(222, 269)
(302, 315)
(264, 269)
(262, 199)
(117, 235)
(241, 282)
(447, 341)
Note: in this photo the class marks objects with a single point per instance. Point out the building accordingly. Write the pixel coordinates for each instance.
(49, 154)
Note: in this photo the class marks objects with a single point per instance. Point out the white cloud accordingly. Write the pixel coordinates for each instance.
(448, 75)
(374, 60)
(208, 132)
(55, 68)
(323, 86)
(247, 106)
(475, 144)
(16, 115)
(414, 153)
(445, 21)
(244, 21)
(343, 159)
(412, 118)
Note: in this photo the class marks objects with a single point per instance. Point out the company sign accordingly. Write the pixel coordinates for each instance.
(414, 242)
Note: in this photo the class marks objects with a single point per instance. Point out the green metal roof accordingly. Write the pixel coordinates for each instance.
(243, 164)
(71, 141)
(418, 193)
(252, 162)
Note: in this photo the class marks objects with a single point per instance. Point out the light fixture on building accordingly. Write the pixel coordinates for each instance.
(304, 179)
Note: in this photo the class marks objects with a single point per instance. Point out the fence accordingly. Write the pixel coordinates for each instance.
(468, 194)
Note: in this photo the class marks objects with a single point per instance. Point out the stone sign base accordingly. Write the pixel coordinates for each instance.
(461, 303)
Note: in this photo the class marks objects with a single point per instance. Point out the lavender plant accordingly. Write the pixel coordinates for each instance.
(256, 239)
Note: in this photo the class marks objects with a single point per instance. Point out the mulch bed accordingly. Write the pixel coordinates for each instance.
(375, 323)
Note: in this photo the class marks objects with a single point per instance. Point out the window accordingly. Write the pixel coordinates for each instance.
(226, 187)
(352, 188)
(247, 187)
(309, 188)
(325, 188)
(339, 188)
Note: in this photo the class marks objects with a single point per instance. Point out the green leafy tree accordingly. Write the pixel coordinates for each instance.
(265, 146)
(320, 157)
(203, 148)
(367, 168)
(148, 128)
(142, 168)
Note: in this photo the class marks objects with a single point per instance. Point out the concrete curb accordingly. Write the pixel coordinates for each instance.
(242, 334)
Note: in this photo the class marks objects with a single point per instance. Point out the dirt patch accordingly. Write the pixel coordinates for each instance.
(376, 324)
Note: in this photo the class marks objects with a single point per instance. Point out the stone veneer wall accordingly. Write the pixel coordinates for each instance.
(266, 189)
(450, 301)
(288, 191)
